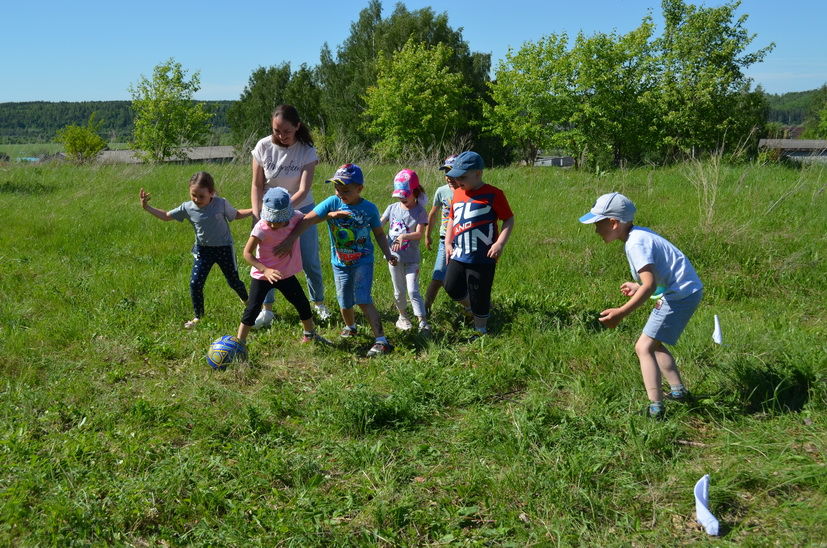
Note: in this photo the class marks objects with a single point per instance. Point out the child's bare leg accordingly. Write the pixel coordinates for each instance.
(373, 319)
(348, 316)
(645, 350)
(243, 331)
(308, 325)
(431, 293)
(466, 306)
(666, 364)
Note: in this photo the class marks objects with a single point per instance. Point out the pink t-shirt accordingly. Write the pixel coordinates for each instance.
(288, 265)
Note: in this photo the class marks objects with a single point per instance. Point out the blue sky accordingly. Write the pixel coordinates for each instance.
(94, 50)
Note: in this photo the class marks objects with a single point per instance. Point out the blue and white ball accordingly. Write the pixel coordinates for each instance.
(223, 351)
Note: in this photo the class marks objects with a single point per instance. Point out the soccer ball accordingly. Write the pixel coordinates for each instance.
(224, 350)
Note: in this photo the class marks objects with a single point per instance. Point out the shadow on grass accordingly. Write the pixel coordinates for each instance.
(775, 387)
(753, 387)
(545, 315)
(35, 188)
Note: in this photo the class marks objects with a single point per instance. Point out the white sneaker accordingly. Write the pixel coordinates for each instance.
(322, 311)
(264, 319)
(403, 323)
(424, 326)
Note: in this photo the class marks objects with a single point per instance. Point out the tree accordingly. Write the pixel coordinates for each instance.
(82, 143)
(267, 88)
(815, 122)
(703, 100)
(417, 100)
(628, 98)
(610, 124)
(167, 119)
(533, 97)
(345, 77)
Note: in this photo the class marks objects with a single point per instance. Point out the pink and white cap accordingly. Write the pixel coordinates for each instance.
(405, 182)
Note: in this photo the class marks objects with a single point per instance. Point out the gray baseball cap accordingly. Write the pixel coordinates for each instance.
(611, 206)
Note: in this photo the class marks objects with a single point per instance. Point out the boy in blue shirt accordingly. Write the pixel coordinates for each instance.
(655, 263)
(350, 221)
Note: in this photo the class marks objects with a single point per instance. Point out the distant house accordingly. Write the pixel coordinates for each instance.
(194, 154)
(796, 149)
(554, 161)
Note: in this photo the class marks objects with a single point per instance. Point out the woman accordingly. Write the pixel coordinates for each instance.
(287, 159)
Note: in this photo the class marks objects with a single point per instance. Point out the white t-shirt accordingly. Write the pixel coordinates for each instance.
(283, 165)
(671, 267)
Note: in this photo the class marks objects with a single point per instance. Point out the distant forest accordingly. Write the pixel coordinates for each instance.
(790, 109)
(38, 122)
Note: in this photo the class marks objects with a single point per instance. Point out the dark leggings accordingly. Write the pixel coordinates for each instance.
(206, 256)
(472, 280)
(289, 287)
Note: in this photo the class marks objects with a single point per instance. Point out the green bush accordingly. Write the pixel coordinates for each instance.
(82, 143)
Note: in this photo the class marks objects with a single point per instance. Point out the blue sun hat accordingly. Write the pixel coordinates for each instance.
(276, 207)
(348, 174)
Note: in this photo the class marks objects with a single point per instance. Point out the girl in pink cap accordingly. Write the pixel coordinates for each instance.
(407, 220)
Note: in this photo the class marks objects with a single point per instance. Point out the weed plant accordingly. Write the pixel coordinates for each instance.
(115, 431)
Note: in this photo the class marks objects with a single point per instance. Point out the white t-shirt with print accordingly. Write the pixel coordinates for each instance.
(283, 165)
(670, 266)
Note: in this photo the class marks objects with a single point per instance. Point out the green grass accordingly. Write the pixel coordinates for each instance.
(38, 150)
(115, 431)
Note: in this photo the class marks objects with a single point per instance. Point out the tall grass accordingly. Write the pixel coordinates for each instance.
(115, 431)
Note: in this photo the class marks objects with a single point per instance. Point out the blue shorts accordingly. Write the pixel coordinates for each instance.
(669, 318)
(440, 266)
(353, 284)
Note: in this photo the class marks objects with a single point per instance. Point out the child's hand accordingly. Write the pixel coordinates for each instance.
(629, 288)
(272, 275)
(339, 214)
(495, 251)
(396, 245)
(611, 317)
(144, 198)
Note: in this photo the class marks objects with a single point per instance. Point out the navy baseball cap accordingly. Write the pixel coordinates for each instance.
(348, 174)
(466, 161)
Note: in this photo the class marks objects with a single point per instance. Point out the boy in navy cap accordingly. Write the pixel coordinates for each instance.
(350, 220)
(473, 241)
(655, 264)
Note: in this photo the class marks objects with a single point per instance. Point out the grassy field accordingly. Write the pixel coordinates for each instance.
(115, 431)
(39, 150)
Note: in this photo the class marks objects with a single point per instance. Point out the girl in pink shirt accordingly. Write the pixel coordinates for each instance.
(271, 271)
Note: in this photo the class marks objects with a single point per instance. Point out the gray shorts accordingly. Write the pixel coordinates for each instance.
(669, 318)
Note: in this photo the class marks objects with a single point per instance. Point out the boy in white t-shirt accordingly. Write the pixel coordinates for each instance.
(655, 263)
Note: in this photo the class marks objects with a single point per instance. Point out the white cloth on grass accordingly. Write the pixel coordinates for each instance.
(704, 516)
(717, 337)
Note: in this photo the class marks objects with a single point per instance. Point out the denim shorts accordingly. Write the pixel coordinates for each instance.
(669, 318)
(353, 284)
(440, 265)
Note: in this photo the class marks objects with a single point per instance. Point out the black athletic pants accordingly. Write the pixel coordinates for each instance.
(473, 280)
(206, 256)
(289, 287)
